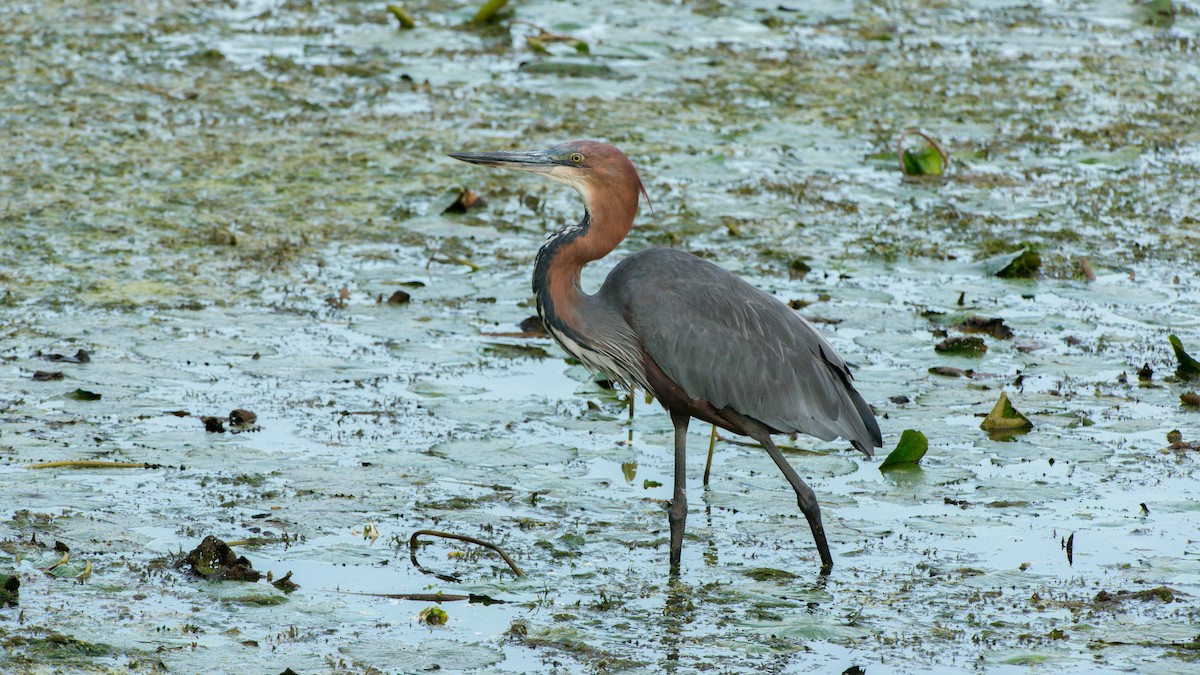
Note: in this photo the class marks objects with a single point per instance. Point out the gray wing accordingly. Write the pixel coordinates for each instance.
(728, 343)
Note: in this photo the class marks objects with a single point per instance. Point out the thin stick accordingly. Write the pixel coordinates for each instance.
(784, 448)
(412, 546)
(426, 597)
(92, 464)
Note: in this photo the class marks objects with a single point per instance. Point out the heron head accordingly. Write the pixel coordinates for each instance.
(593, 168)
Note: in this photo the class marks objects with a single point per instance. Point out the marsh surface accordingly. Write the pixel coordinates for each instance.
(215, 200)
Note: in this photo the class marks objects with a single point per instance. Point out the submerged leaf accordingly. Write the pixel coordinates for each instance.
(769, 574)
(962, 346)
(908, 452)
(1004, 418)
(1188, 368)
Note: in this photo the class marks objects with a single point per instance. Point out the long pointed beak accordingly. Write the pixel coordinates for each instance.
(537, 161)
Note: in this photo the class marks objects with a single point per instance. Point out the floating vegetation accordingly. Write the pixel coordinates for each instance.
(214, 560)
(182, 217)
(972, 347)
(926, 162)
(403, 19)
(1188, 368)
(1004, 419)
(433, 616)
(908, 452)
(489, 11)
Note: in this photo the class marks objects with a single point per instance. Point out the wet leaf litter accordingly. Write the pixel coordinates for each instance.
(296, 156)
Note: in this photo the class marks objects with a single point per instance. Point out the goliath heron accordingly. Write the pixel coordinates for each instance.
(702, 341)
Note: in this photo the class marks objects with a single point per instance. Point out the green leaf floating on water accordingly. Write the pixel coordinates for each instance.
(1188, 368)
(927, 162)
(1004, 418)
(908, 452)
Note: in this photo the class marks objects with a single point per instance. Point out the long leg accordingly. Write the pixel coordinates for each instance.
(805, 497)
(677, 514)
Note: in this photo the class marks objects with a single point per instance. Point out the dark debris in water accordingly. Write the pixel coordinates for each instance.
(9, 590)
(534, 325)
(994, 327)
(47, 375)
(80, 356)
(239, 420)
(242, 418)
(399, 298)
(973, 347)
(284, 583)
(951, 371)
(1164, 594)
(214, 560)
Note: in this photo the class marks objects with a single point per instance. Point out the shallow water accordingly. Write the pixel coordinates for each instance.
(189, 190)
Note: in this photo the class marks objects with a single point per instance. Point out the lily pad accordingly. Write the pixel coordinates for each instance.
(1005, 419)
(1188, 368)
(912, 447)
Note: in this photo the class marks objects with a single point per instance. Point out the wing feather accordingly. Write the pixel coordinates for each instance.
(726, 342)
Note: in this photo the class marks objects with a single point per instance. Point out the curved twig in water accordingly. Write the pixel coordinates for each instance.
(412, 547)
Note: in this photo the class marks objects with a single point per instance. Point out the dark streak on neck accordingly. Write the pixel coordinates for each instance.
(543, 276)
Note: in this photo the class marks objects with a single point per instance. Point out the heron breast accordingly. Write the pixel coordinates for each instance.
(623, 369)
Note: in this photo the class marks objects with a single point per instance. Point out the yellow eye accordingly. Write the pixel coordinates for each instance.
(576, 158)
